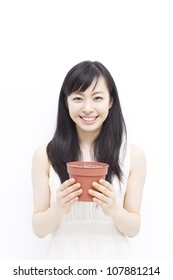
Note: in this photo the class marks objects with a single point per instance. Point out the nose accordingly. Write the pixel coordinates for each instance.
(87, 107)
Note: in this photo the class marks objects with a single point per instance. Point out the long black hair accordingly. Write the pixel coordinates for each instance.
(64, 146)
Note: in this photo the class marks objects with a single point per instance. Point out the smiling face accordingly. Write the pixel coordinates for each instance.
(89, 109)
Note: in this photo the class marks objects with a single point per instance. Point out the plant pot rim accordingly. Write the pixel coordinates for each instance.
(87, 164)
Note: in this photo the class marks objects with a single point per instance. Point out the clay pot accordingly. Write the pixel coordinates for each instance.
(85, 173)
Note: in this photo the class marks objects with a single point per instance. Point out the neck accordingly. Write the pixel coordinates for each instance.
(86, 140)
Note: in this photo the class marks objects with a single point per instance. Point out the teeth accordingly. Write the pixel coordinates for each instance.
(88, 119)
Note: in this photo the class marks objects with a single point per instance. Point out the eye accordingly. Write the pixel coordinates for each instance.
(98, 98)
(77, 99)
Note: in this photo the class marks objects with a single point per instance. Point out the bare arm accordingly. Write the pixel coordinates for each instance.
(46, 217)
(126, 218)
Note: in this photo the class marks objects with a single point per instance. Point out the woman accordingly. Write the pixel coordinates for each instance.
(90, 127)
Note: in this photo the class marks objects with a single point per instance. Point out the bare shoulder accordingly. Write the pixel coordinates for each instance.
(40, 179)
(137, 152)
(138, 159)
(40, 153)
(40, 158)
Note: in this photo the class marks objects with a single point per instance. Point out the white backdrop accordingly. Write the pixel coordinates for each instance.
(40, 42)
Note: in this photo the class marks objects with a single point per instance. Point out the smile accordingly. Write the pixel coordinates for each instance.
(88, 119)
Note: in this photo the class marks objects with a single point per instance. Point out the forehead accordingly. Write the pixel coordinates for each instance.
(97, 85)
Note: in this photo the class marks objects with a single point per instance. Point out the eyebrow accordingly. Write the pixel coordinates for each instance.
(94, 93)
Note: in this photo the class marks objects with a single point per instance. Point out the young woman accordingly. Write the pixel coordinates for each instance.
(90, 127)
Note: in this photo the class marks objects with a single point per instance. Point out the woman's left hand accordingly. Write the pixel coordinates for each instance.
(105, 195)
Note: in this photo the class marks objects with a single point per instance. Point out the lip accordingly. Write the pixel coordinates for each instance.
(88, 120)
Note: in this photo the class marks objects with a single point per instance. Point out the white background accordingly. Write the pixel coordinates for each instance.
(39, 42)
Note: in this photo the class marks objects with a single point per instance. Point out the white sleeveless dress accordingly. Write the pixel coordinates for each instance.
(86, 233)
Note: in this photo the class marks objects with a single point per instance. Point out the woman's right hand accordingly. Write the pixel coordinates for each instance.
(67, 194)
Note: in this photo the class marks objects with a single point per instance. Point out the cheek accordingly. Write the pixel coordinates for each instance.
(73, 112)
(103, 108)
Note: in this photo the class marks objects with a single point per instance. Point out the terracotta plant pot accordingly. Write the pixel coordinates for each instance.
(85, 173)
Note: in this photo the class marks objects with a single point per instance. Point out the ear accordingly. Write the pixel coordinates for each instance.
(111, 102)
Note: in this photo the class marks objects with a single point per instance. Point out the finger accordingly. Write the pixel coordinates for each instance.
(99, 196)
(72, 201)
(67, 183)
(99, 202)
(102, 189)
(72, 196)
(106, 184)
(70, 189)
